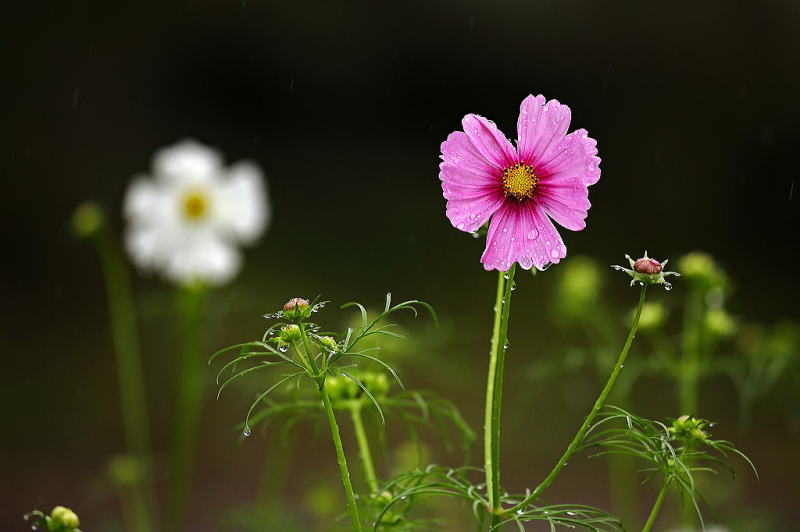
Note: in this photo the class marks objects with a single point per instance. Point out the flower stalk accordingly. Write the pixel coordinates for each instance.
(363, 447)
(189, 405)
(130, 375)
(576, 441)
(342, 460)
(494, 388)
(651, 519)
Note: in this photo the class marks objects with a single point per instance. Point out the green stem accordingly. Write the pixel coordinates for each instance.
(494, 390)
(656, 507)
(337, 443)
(191, 373)
(689, 370)
(129, 374)
(363, 448)
(576, 441)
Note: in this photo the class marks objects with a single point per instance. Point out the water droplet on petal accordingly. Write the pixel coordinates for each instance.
(533, 234)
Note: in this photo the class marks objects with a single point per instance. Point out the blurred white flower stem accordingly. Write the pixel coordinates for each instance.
(130, 376)
(190, 377)
(494, 390)
(601, 399)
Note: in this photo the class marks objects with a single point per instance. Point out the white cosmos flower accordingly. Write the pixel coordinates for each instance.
(187, 220)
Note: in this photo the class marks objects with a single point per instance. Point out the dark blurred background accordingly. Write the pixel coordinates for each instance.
(344, 104)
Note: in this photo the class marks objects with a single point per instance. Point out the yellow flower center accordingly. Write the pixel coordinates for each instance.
(519, 181)
(195, 205)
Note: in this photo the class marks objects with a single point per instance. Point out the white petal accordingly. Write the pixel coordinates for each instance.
(241, 203)
(187, 162)
(202, 257)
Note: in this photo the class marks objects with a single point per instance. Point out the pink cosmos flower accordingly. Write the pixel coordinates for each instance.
(521, 189)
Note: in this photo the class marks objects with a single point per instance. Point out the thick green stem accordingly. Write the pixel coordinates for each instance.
(191, 373)
(576, 441)
(363, 448)
(129, 375)
(337, 443)
(494, 390)
(656, 507)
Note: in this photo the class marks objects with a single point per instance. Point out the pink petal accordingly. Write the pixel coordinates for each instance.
(547, 248)
(521, 232)
(574, 157)
(470, 202)
(541, 124)
(567, 202)
(458, 150)
(489, 141)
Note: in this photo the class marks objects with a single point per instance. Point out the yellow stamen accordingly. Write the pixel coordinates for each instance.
(519, 181)
(195, 205)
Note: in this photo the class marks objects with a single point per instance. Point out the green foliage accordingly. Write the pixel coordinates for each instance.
(460, 483)
(676, 452)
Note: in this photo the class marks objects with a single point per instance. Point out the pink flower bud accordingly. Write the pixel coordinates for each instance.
(296, 303)
(647, 265)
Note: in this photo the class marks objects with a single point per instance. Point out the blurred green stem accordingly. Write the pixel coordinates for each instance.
(494, 390)
(576, 441)
(691, 343)
(129, 375)
(191, 371)
(651, 519)
(337, 443)
(363, 447)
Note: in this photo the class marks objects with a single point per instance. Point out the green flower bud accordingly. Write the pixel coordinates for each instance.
(63, 518)
(689, 429)
(290, 333)
(377, 383)
(87, 220)
(328, 342)
(383, 498)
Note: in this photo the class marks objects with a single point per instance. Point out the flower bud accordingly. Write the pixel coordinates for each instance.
(290, 333)
(383, 498)
(64, 518)
(689, 429)
(646, 271)
(328, 342)
(647, 265)
(376, 383)
(297, 308)
(87, 220)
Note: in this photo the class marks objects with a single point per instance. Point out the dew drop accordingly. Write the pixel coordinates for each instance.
(546, 266)
(513, 285)
(246, 432)
(533, 234)
(667, 286)
(283, 349)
